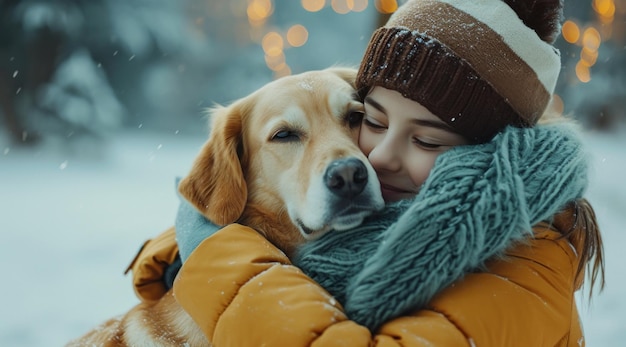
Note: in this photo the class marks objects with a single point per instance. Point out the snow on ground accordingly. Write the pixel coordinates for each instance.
(70, 224)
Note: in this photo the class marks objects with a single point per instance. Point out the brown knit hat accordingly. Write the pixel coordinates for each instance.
(474, 64)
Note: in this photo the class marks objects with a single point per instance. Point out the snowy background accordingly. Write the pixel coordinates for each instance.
(120, 117)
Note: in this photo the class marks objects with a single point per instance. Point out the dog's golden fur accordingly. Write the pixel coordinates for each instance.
(271, 162)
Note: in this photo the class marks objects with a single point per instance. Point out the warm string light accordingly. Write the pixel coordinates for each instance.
(274, 42)
(589, 40)
(297, 35)
(339, 6)
(386, 6)
(605, 10)
(570, 31)
(259, 11)
(591, 37)
(313, 5)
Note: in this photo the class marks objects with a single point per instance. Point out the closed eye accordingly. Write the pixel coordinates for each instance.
(426, 145)
(285, 135)
(354, 118)
(373, 125)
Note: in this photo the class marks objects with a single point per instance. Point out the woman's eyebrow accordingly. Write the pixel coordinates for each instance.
(417, 121)
(379, 107)
(432, 124)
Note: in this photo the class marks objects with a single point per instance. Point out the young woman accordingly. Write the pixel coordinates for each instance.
(453, 91)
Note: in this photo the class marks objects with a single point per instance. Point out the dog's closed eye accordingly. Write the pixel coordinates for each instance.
(354, 118)
(286, 135)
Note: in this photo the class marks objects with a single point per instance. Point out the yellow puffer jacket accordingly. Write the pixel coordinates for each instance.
(242, 291)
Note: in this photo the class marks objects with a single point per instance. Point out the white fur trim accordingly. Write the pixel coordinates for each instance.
(542, 57)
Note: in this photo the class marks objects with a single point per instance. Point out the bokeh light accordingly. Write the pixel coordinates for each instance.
(275, 62)
(582, 72)
(297, 35)
(313, 5)
(571, 32)
(258, 11)
(386, 6)
(359, 5)
(588, 56)
(272, 44)
(341, 6)
(591, 39)
(605, 8)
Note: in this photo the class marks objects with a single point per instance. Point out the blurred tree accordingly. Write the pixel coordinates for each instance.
(28, 59)
(77, 67)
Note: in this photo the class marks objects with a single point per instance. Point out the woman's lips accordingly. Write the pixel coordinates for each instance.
(392, 188)
(392, 193)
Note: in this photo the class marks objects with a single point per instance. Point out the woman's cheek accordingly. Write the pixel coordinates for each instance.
(367, 141)
(420, 167)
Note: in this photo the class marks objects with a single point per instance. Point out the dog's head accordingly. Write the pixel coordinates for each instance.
(285, 158)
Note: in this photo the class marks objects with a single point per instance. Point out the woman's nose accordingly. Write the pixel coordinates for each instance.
(386, 156)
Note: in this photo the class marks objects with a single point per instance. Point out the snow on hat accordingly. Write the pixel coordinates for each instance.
(478, 65)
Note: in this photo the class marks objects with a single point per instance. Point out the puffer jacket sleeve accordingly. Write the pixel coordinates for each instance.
(242, 291)
(150, 263)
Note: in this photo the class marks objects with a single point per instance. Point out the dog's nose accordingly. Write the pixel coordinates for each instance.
(346, 177)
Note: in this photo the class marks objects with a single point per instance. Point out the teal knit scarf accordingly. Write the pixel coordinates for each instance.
(476, 201)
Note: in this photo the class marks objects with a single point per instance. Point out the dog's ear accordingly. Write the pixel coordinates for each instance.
(216, 185)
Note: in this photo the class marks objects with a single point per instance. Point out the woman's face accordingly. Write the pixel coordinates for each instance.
(402, 139)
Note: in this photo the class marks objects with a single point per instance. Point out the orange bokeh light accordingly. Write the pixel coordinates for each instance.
(341, 6)
(272, 44)
(276, 61)
(297, 35)
(588, 56)
(386, 6)
(591, 39)
(570, 31)
(313, 5)
(582, 72)
(359, 5)
(259, 9)
(604, 8)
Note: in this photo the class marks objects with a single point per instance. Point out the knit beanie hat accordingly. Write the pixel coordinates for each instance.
(478, 65)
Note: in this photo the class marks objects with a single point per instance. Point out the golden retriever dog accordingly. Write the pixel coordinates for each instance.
(282, 160)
